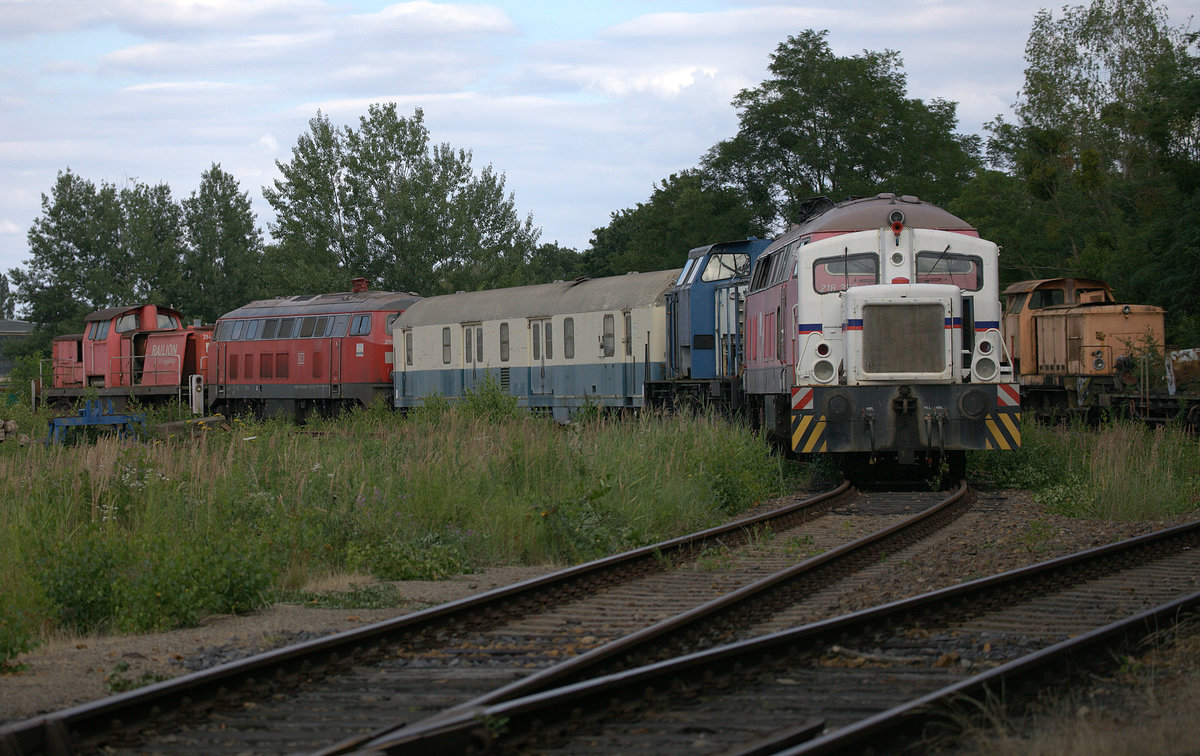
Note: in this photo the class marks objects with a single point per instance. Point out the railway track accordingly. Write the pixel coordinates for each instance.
(347, 687)
(872, 678)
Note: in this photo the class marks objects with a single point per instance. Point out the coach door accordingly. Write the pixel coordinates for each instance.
(541, 351)
(472, 369)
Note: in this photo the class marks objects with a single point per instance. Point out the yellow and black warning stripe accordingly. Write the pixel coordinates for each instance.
(1004, 428)
(807, 429)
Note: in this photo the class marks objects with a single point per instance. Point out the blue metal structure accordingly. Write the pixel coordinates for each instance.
(96, 413)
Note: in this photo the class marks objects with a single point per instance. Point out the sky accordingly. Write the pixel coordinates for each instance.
(583, 105)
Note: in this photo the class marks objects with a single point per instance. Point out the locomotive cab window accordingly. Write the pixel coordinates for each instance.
(361, 325)
(130, 322)
(1016, 303)
(98, 330)
(963, 271)
(167, 321)
(832, 274)
(1046, 298)
(725, 266)
(686, 270)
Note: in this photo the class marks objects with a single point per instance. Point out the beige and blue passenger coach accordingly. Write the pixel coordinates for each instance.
(557, 347)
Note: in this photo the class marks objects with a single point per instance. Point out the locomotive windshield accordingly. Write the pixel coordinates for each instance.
(726, 265)
(832, 274)
(963, 271)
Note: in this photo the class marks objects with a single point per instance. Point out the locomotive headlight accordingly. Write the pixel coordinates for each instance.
(985, 347)
(822, 349)
(824, 371)
(1098, 363)
(986, 369)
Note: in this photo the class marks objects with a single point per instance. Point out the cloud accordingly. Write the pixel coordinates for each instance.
(8, 227)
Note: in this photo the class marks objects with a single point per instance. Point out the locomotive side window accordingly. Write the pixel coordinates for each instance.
(270, 328)
(504, 342)
(252, 329)
(608, 339)
(569, 338)
(361, 325)
(781, 265)
(339, 326)
(307, 326)
(323, 324)
(287, 328)
(832, 274)
(726, 265)
(762, 271)
(963, 271)
(237, 330)
(446, 346)
(129, 322)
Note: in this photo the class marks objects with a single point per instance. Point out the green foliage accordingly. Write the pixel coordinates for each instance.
(431, 556)
(488, 401)
(117, 682)
(18, 625)
(79, 578)
(375, 596)
(687, 210)
(837, 126)
(378, 201)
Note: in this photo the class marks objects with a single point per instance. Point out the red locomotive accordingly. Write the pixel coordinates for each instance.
(295, 355)
(143, 352)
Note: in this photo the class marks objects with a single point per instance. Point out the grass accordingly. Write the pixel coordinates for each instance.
(134, 537)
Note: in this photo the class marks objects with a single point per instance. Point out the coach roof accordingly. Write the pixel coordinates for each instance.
(541, 300)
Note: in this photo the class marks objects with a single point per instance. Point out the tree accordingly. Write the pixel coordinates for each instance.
(379, 202)
(224, 255)
(1105, 145)
(828, 125)
(687, 210)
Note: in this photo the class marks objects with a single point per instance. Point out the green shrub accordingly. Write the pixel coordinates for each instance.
(79, 579)
(18, 625)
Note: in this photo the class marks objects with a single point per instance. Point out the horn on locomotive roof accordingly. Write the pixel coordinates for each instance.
(359, 285)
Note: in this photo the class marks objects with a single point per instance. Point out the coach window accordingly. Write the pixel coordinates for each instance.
(408, 348)
(607, 340)
(537, 341)
(568, 338)
(237, 330)
(549, 342)
(478, 343)
(129, 322)
(307, 326)
(504, 342)
(628, 334)
(468, 348)
(446, 346)
(270, 328)
(832, 274)
(726, 265)
(963, 271)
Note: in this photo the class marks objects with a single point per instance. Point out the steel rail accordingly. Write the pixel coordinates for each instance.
(467, 731)
(61, 732)
(738, 607)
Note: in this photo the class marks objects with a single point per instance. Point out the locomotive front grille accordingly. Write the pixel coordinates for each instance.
(900, 337)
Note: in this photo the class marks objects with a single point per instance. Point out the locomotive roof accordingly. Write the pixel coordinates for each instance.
(558, 298)
(1086, 283)
(323, 304)
(869, 213)
(112, 312)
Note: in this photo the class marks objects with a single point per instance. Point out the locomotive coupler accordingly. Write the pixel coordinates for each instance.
(904, 402)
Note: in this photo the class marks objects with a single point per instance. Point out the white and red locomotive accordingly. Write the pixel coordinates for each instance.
(873, 327)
